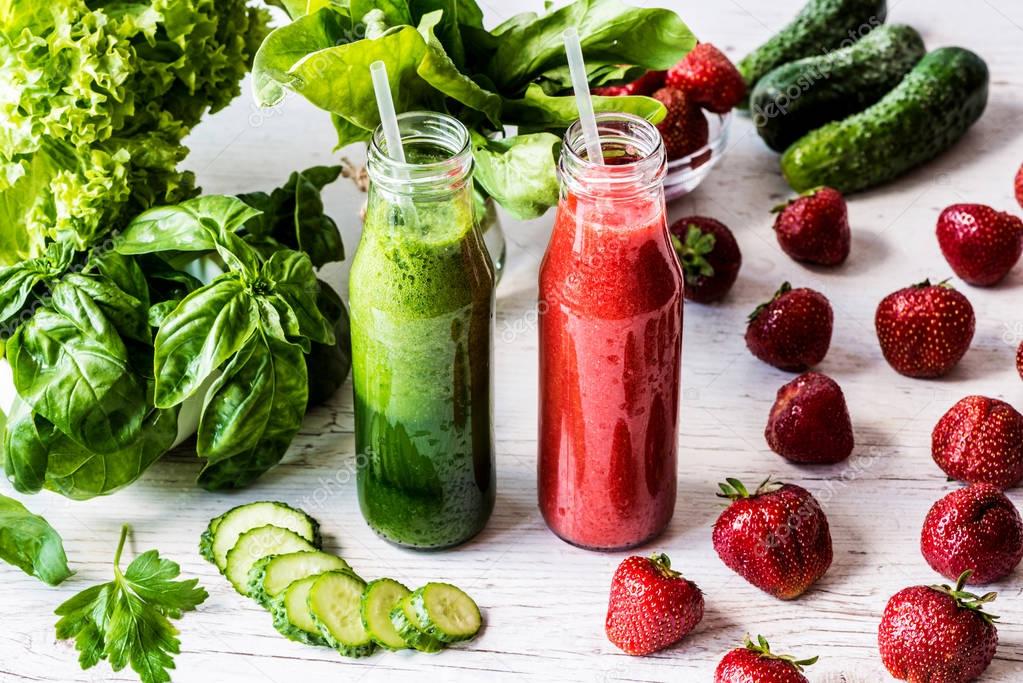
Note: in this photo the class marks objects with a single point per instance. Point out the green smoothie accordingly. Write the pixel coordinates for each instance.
(422, 301)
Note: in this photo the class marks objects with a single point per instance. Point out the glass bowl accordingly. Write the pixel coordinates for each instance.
(685, 175)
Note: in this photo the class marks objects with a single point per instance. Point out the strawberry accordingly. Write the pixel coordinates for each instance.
(1019, 185)
(975, 528)
(776, 538)
(937, 633)
(981, 244)
(709, 78)
(710, 257)
(644, 85)
(810, 422)
(651, 606)
(792, 331)
(684, 128)
(756, 662)
(814, 227)
(925, 329)
(1019, 360)
(980, 440)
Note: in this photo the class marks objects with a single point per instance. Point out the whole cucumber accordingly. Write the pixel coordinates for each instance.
(933, 106)
(800, 96)
(820, 26)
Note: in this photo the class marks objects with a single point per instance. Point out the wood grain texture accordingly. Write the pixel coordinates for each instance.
(543, 600)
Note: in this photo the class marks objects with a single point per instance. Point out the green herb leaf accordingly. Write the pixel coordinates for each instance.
(537, 109)
(128, 621)
(292, 275)
(29, 543)
(193, 225)
(519, 172)
(328, 365)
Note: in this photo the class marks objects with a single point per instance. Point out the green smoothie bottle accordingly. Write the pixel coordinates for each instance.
(422, 314)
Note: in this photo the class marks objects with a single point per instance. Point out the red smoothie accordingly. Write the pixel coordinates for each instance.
(610, 362)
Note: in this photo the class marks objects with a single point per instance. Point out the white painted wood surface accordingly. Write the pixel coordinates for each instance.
(543, 600)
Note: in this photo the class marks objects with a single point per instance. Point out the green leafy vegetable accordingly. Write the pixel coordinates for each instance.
(520, 172)
(128, 620)
(29, 543)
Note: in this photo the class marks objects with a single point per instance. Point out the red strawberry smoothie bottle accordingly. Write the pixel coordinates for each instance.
(610, 344)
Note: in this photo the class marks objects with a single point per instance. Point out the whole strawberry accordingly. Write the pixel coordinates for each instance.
(975, 528)
(925, 329)
(709, 255)
(644, 85)
(980, 440)
(684, 128)
(756, 662)
(792, 331)
(1019, 185)
(709, 78)
(810, 422)
(937, 633)
(981, 244)
(651, 606)
(814, 227)
(777, 538)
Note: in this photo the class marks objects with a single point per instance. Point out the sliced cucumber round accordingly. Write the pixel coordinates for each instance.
(256, 544)
(379, 598)
(334, 603)
(270, 575)
(206, 540)
(406, 623)
(292, 618)
(445, 612)
(225, 530)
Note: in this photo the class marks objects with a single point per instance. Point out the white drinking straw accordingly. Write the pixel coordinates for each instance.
(385, 105)
(577, 66)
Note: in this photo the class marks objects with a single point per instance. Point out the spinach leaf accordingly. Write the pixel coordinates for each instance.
(329, 364)
(299, 8)
(292, 277)
(558, 81)
(519, 172)
(207, 328)
(29, 543)
(610, 31)
(440, 71)
(192, 225)
(252, 413)
(396, 12)
(71, 366)
(537, 109)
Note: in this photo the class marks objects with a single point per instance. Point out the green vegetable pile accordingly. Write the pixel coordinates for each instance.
(440, 57)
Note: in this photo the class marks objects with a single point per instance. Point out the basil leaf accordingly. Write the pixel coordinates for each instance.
(18, 281)
(519, 172)
(329, 364)
(71, 366)
(537, 109)
(123, 271)
(29, 543)
(610, 31)
(207, 328)
(125, 312)
(293, 279)
(192, 225)
(25, 449)
(252, 412)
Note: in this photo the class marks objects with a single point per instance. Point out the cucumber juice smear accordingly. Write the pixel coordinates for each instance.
(422, 314)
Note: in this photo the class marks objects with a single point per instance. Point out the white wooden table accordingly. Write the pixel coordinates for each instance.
(543, 600)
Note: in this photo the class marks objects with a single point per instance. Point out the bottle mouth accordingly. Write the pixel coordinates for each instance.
(634, 156)
(438, 155)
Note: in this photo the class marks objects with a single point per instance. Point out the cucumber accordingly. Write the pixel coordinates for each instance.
(223, 531)
(412, 631)
(820, 26)
(291, 614)
(923, 116)
(801, 96)
(379, 598)
(334, 603)
(255, 544)
(271, 575)
(445, 612)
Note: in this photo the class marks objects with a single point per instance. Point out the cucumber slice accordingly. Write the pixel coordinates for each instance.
(379, 598)
(235, 522)
(406, 623)
(206, 540)
(445, 612)
(334, 602)
(271, 575)
(255, 544)
(292, 618)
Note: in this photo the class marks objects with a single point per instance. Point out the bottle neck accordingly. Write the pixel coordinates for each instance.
(438, 159)
(634, 162)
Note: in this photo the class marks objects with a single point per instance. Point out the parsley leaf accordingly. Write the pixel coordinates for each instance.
(127, 621)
